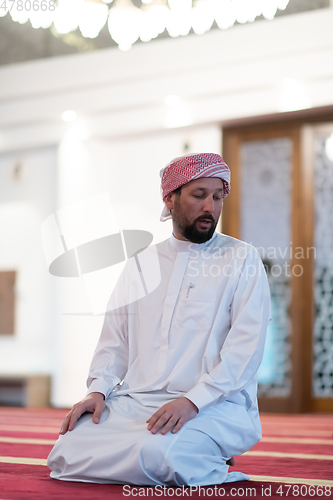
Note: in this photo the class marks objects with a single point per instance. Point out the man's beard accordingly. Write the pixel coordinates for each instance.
(190, 231)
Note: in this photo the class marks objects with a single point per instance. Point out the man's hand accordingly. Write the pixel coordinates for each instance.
(93, 403)
(172, 416)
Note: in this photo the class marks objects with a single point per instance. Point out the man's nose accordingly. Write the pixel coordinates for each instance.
(208, 206)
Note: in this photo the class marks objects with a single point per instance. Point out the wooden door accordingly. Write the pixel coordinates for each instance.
(272, 206)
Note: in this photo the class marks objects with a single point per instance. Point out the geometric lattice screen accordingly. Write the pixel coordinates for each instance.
(322, 379)
(265, 222)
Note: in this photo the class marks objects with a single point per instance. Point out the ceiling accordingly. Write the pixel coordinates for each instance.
(21, 42)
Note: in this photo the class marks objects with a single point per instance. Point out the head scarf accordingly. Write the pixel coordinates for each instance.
(184, 169)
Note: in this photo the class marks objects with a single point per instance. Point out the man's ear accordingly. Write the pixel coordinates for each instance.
(169, 201)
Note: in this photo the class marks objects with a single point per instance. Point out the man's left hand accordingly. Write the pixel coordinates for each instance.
(172, 416)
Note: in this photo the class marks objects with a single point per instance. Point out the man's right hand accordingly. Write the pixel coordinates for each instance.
(93, 403)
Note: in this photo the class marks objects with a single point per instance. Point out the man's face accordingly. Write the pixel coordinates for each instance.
(196, 210)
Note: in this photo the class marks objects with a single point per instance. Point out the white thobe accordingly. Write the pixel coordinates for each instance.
(199, 334)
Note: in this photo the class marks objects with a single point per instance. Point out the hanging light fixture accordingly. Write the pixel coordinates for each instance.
(92, 18)
(154, 19)
(202, 16)
(66, 15)
(179, 19)
(269, 8)
(127, 23)
(225, 13)
(246, 11)
(124, 23)
(19, 16)
(41, 18)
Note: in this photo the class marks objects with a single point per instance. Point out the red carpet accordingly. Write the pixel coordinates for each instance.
(294, 459)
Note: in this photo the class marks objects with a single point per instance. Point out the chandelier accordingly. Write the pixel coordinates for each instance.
(127, 23)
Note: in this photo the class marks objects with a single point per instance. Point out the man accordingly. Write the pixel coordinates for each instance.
(172, 385)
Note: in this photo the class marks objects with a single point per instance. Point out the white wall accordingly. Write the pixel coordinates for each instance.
(24, 204)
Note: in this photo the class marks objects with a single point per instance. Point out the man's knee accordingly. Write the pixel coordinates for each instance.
(174, 458)
(65, 451)
(153, 456)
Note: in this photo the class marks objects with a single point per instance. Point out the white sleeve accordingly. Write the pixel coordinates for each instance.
(243, 348)
(110, 360)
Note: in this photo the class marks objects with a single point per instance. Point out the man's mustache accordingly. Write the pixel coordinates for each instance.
(205, 217)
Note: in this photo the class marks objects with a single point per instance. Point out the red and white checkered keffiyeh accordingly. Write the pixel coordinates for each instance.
(186, 168)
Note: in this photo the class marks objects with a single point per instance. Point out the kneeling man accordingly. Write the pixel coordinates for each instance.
(172, 385)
